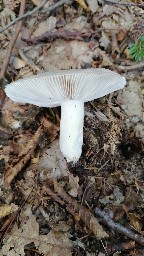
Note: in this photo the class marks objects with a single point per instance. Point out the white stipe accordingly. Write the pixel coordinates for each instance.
(71, 129)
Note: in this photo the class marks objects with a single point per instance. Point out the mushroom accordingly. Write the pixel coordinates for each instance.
(68, 89)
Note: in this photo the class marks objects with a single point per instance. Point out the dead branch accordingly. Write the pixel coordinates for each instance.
(13, 41)
(21, 17)
(24, 156)
(51, 36)
(118, 227)
(134, 66)
(124, 4)
(58, 4)
(73, 207)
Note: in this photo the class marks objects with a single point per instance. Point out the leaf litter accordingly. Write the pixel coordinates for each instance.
(57, 201)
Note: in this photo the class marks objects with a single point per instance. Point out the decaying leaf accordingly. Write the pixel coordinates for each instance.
(5, 210)
(73, 185)
(54, 243)
(93, 5)
(105, 41)
(131, 99)
(17, 63)
(135, 220)
(82, 4)
(78, 211)
(52, 164)
(26, 153)
(50, 127)
(45, 26)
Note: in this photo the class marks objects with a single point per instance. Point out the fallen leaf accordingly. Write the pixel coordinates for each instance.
(52, 163)
(5, 210)
(45, 26)
(131, 99)
(25, 154)
(54, 243)
(82, 4)
(105, 42)
(17, 63)
(135, 220)
(73, 185)
(93, 5)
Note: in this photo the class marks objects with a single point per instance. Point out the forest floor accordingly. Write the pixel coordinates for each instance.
(96, 206)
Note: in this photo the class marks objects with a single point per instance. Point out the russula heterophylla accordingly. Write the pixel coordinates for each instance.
(68, 89)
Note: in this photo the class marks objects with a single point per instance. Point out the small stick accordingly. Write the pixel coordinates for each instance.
(125, 4)
(127, 68)
(118, 227)
(21, 17)
(13, 41)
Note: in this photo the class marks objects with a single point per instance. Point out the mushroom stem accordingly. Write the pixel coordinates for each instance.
(71, 129)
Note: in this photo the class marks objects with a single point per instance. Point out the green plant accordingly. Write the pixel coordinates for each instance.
(137, 49)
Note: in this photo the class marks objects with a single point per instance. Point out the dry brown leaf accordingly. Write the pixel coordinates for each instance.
(5, 153)
(17, 63)
(105, 41)
(54, 243)
(131, 99)
(52, 163)
(82, 4)
(25, 154)
(73, 185)
(51, 128)
(36, 2)
(78, 210)
(93, 5)
(135, 220)
(121, 35)
(11, 4)
(45, 26)
(2, 96)
(5, 210)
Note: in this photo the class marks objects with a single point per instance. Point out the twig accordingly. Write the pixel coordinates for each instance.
(28, 62)
(13, 41)
(21, 17)
(125, 4)
(118, 227)
(127, 68)
(51, 36)
(58, 4)
(78, 211)
(24, 156)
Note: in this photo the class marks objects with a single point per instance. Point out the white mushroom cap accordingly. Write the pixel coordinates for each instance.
(70, 89)
(50, 89)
